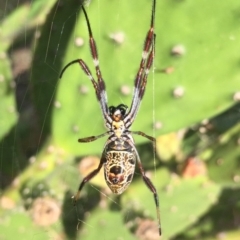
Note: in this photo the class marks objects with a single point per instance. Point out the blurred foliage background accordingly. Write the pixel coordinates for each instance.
(191, 106)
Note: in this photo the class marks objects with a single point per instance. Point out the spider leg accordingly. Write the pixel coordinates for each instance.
(145, 75)
(95, 171)
(150, 187)
(100, 82)
(146, 136)
(143, 135)
(140, 90)
(87, 71)
(142, 74)
(99, 85)
(155, 195)
(92, 138)
(88, 178)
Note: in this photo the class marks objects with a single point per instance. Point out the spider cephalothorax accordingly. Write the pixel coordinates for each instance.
(118, 113)
(120, 155)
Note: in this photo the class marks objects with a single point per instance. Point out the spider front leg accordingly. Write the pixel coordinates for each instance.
(87, 179)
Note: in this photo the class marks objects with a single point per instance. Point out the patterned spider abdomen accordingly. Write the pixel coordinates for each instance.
(119, 169)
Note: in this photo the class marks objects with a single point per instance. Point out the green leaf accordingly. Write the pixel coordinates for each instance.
(207, 71)
(223, 164)
(8, 110)
(182, 201)
(107, 225)
(22, 19)
(20, 225)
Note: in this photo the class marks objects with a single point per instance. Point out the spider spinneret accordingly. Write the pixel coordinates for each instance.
(120, 155)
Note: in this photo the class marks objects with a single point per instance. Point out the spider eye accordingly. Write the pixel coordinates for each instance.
(112, 110)
(123, 111)
(119, 110)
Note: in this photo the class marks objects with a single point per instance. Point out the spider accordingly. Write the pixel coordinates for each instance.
(120, 155)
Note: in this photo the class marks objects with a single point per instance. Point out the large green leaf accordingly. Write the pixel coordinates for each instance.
(23, 18)
(207, 71)
(107, 225)
(182, 201)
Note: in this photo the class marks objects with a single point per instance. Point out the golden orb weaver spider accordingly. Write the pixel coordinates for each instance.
(120, 155)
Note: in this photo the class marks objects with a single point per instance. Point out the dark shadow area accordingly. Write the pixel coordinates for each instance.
(223, 216)
(47, 63)
(35, 83)
(7, 7)
(12, 159)
(72, 216)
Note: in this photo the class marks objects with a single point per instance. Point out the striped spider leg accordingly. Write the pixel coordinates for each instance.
(120, 155)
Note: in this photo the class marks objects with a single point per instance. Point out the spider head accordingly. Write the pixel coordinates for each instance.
(118, 113)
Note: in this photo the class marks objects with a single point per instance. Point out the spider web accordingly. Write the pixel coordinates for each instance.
(31, 143)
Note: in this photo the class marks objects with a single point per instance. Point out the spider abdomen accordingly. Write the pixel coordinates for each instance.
(119, 169)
